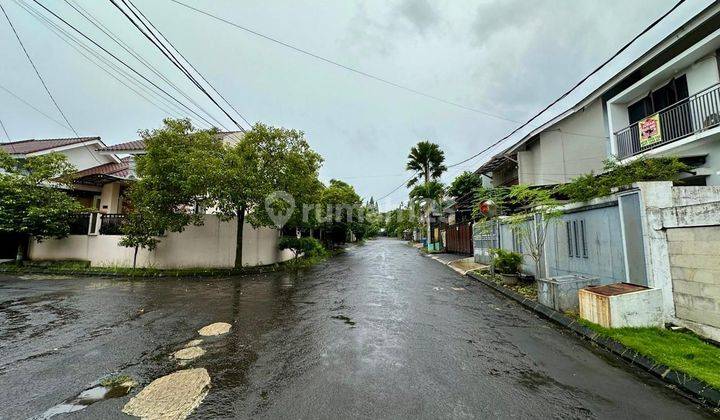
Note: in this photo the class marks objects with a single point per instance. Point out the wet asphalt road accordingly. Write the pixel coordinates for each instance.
(378, 332)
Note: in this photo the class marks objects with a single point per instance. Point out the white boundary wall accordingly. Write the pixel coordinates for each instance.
(210, 245)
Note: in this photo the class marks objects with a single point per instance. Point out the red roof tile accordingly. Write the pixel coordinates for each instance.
(124, 147)
(120, 170)
(37, 145)
(140, 144)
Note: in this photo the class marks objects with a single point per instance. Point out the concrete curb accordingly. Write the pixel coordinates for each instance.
(695, 388)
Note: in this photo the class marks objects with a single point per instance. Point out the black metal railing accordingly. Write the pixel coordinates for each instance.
(80, 224)
(111, 224)
(692, 115)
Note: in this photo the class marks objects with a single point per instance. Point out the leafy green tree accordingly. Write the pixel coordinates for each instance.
(341, 212)
(426, 159)
(402, 218)
(32, 202)
(537, 210)
(175, 173)
(464, 184)
(267, 160)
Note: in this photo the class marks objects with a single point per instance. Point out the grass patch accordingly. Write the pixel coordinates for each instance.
(116, 380)
(434, 251)
(526, 289)
(72, 267)
(680, 351)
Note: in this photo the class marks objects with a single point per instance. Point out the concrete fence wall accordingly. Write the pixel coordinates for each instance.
(685, 227)
(209, 245)
(587, 241)
(650, 233)
(695, 268)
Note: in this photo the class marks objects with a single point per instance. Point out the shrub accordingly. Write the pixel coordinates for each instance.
(589, 186)
(307, 246)
(506, 262)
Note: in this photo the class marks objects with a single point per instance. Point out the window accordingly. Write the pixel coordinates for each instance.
(517, 241)
(575, 238)
(582, 237)
(659, 99)
(577, 243)
(569, 239)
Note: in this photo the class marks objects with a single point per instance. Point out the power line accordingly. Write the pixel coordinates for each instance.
(105, 50)
(188, 62)
(576, 85)
(5, 130)
(33, 107)
(69, 39)
(343, 66)
(37, 72)
(169, 55)
(398, 187)
(104, 29)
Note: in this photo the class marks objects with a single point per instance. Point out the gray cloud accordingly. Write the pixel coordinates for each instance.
(420, 13)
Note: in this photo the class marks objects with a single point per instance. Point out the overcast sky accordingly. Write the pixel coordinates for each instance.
(504, 57)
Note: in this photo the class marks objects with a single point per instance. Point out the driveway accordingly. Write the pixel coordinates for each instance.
(378, 332)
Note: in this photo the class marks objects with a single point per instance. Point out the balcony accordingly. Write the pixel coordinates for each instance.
(692, 115)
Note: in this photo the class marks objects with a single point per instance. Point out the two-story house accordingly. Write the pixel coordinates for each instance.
(665, 102)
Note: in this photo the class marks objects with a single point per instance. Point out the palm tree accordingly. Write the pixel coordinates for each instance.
(426, 160)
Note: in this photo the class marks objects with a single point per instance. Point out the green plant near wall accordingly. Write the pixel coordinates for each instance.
(537, 211)
(307, 246)
(615, 175)
(506, 262)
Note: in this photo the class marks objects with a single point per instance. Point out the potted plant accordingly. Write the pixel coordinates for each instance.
(507, 265)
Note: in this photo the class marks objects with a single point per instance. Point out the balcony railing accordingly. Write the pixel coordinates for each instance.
(111, 224)
(97, 224)
(692, 115)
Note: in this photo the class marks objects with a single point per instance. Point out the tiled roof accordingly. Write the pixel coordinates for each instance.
(140, 144)
(22, 147)
(120, 170)
(124, 147)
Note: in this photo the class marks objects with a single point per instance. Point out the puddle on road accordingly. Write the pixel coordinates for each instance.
(89, 396)
(344, 318)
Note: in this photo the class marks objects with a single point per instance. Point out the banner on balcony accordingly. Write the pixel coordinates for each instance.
(650, 132)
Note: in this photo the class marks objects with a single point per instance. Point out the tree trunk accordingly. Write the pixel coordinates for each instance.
(20, 251)
(429, 229)
(135, 256)
(239, 236)
(428, 212)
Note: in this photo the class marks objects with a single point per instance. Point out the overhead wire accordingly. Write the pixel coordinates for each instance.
(117, 40)
(565, 94)
(47, 90)
(115, 57)
(343, 66)
(188, 62)
(147, 33)
(19, 98)
(576, 85)
(37, 72)
(78, 46)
